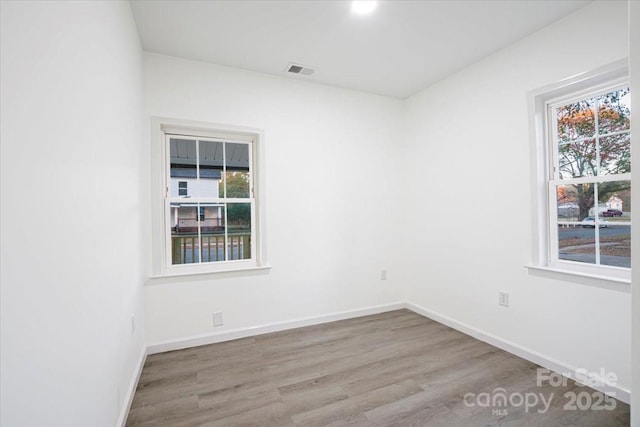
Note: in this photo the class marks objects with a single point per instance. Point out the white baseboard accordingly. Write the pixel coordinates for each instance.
(565, 369)
(268, 328)
(131, 390)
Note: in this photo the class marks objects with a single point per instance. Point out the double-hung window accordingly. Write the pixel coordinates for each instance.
(587, 168)
(208, 199)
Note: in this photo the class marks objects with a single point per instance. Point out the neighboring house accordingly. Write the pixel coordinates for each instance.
(615, 202)
(185, 217)
(184, 182)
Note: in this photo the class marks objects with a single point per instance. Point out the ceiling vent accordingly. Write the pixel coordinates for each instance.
(299, 69)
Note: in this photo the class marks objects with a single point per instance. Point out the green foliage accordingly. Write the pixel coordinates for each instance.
(237, 185)
(239, 214)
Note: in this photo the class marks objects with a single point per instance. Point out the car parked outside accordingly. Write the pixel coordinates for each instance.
(611, 213)
(591, 222)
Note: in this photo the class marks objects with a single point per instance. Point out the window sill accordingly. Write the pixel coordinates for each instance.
(608, 282)
(200, 275)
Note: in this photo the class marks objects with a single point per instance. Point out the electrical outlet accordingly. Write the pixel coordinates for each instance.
(217, 318)
(383, 274)
(503, 299)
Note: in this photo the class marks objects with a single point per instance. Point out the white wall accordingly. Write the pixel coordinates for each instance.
(634, 65)
(331, 183)
(468, 146)
(71, 211)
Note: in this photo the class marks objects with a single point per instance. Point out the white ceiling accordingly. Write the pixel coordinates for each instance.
(403, 47)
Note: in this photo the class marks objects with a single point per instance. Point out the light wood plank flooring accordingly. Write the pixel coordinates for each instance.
(390, 369)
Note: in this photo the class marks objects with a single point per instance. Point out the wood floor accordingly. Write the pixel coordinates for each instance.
(390, 369)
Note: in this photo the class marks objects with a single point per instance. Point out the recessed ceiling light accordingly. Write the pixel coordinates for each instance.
(363, 7)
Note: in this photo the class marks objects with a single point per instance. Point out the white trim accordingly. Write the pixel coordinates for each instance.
(598, 179)
(236, 269)
(633, 23)
(204, 129)
(557, 366)
(572, 84)
(233, 334)
(599, 280)
(131, 390)
(585, 90)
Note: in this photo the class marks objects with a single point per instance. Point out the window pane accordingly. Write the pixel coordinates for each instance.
(614, 111)
(211, 162)
(577, 159)
(239, 230)
(615, 154)
(577, 243)
(615, 200)
(237, 184)
(212, 232)
(615, 244)
(615, 231)
(182, 166)
(568, 203)
(211, 218)
(575, 201)
(576, 238)
(237, 176)
(576, 121)
(185, 245)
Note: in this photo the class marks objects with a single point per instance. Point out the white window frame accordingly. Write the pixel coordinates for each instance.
(545, 251)
(161, 130)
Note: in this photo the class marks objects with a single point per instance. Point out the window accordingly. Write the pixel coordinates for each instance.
(182, 188)
(211, 211)
(584, 156)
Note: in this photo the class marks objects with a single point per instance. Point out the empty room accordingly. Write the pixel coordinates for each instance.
(319, 213)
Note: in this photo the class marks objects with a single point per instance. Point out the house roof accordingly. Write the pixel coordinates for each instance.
(191, 173)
